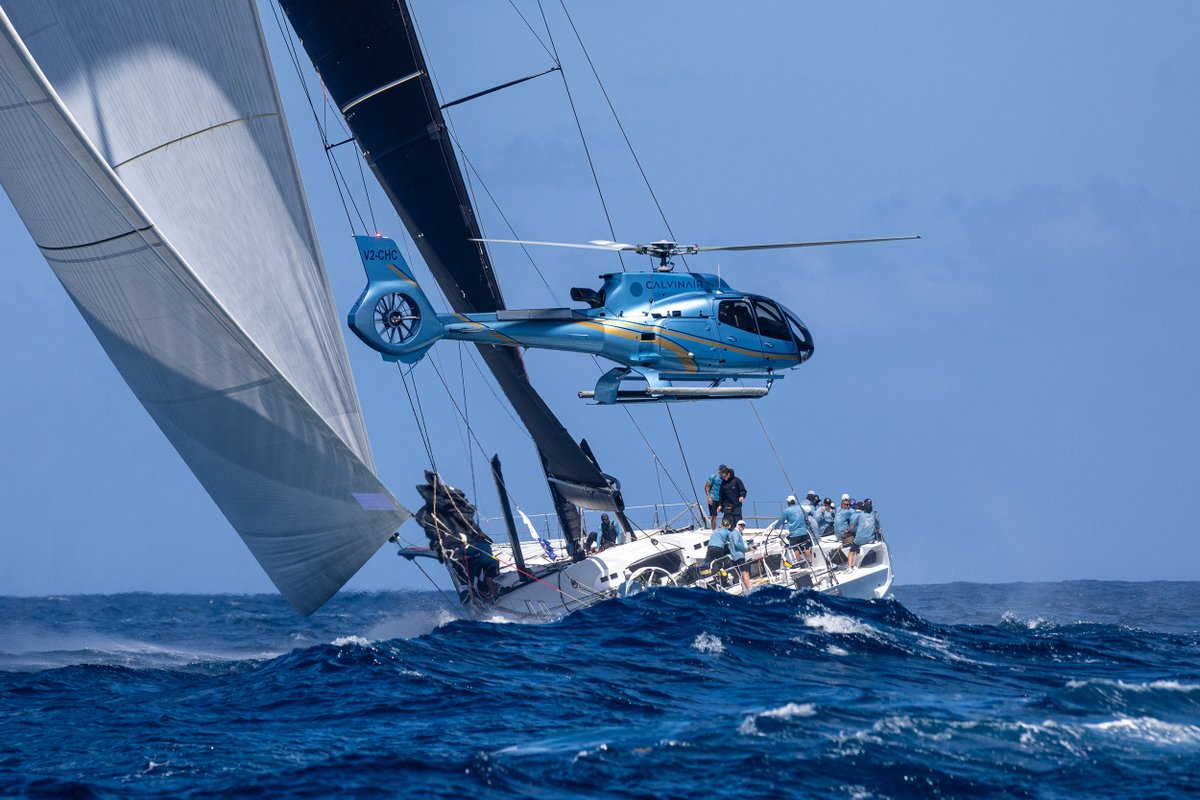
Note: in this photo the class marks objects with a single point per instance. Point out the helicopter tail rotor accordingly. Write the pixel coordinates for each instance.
(393, 315)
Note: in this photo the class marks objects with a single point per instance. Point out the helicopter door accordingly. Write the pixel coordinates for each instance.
(737, 333)
(777, 339)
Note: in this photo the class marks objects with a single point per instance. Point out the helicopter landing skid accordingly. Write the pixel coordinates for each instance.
(608, 389)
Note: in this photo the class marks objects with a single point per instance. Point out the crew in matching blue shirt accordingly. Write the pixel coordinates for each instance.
(824, 518)
(796, 522)
(733, 540)
(712, 489)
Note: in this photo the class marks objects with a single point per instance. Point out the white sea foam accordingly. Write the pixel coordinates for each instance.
(410, 625)
(26, 649)
(708, 643)
(943, 647)
(1031, 624)
(345, 641)
(749, 726)
(838, 623)
(1150, 730)
(1152, 686)
(791, 711)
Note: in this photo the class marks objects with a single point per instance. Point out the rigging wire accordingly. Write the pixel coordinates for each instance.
(531, 30)
(419, 418)
(462, 379)
(683, 458)
(621, 127)
(771, 444)
(501, 402)
(662, 499)
(470, 430)
(582, 138)
(478, 178)
(653, 452)
(440, 591)
(334, 167)
(434, 108)
(435, 361)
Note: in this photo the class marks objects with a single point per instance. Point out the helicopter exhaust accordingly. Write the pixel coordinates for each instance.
(392, 315)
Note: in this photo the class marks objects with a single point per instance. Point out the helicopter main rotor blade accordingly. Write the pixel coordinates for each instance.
(596, 245)
(702, 248)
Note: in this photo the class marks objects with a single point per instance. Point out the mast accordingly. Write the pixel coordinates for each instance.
(371, 63)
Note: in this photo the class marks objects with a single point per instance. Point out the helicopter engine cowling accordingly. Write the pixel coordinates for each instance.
(393, 315)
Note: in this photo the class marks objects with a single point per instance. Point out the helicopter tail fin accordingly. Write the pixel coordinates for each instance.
(393, 315)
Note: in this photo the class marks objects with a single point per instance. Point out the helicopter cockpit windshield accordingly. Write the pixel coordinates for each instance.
(800, 332)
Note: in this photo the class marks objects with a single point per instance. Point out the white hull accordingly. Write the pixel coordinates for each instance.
(549, 590)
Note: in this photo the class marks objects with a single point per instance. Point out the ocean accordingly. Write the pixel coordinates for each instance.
(1066, 690)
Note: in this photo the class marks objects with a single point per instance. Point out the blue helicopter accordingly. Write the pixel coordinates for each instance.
(674, 336)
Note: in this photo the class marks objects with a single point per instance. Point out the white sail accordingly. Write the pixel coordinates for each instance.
(144, 146)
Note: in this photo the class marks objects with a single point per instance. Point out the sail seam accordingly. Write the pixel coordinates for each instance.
(382, 89)
(228, 391)
(227, 123)
(98, 241)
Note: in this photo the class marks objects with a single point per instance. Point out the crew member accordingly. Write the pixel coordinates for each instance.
(794, 520)
(733, 494)
(737, 551)
(843, 526)
(482, 566)
(610, 532)
(730, 542)
(712, 490)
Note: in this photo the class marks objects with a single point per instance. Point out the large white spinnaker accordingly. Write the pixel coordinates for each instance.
(144, 146)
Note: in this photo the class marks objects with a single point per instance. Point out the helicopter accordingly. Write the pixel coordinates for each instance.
(674, 336)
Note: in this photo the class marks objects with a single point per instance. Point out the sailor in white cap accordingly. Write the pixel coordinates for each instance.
(793, 519)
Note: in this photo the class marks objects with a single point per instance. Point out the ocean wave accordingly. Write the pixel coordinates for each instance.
(839, 624)
(673, 692)
(1151, 686)
(1149, 730)
(785, 713)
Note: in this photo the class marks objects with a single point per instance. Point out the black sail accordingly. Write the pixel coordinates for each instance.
(370, 61)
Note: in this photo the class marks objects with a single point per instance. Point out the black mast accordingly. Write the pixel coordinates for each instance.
(371, 63)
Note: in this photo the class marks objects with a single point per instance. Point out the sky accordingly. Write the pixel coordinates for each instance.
(1016, 391)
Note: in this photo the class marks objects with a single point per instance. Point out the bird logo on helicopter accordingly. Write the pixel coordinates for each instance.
(674, 336)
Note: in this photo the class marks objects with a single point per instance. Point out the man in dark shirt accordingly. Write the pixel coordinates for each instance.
(733, 494)
(610, 532)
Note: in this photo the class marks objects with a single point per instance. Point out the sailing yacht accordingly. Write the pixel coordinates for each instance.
(145, 149)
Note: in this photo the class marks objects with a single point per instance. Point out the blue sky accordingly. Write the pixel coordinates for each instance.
(1016, 391)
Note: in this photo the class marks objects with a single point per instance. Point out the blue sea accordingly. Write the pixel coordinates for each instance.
(1064, 690)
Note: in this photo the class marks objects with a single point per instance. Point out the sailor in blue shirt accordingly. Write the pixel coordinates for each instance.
(842, 519)
(732, 539)
(868, 529)
(824, 518)
(795, 520)
(844, 526)
(712, 488)
(610, 532)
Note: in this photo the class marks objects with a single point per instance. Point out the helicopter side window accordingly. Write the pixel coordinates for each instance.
(770, 321)
(736, 313)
